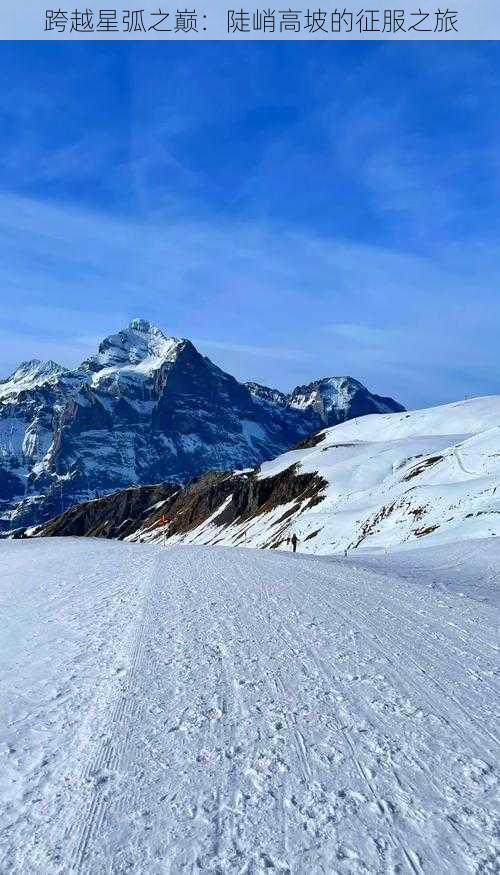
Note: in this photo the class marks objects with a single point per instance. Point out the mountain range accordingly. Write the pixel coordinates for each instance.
(375, 483)
(147, 408)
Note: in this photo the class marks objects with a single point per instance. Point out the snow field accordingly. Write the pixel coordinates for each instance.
(197, 709)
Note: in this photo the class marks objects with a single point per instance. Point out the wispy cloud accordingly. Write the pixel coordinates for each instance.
(296, 228)
(277, 306)
(367, 335)
(265, 352)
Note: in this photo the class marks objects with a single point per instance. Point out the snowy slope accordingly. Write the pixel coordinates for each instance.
(146, 408)
(193, 710)
(30, 375)
(373, 483)
(131, 355)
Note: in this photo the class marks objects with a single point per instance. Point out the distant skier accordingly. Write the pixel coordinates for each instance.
(295, 541)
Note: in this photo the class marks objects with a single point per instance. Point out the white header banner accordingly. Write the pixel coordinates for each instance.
(221, 20)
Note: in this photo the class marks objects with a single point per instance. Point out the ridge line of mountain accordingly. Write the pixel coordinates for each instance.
(147, 408)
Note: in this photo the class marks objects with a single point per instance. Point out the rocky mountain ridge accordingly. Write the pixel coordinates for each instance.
(147, 408)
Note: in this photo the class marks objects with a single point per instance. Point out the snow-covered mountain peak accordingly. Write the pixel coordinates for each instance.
(142, 326)
(35, 368)
(144, 408)
(141, 348)
(31, 374)
(336, 389)
(333, 398)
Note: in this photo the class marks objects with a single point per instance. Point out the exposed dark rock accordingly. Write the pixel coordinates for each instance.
(114, 516)
(422, 466)
(136, 510)
(310, 442)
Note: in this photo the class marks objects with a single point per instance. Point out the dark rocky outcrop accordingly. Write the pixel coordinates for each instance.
(114, 516)
(226, 496)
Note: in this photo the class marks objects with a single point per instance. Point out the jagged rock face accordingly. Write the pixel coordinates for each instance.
(146, 408)
(222, 496)
(267, 394)
(32, 401)
(331, 400)
(336, 399)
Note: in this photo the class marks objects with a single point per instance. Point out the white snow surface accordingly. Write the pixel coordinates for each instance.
(195, 709)
(138, 351)
(30, 375)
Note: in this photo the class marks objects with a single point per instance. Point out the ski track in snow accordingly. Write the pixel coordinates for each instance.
(460, 463)
(201, 710)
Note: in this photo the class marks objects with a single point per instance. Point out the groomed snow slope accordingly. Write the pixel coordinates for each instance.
(423, 477)
(232, 711)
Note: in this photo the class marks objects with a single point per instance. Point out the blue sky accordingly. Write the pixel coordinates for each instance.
(297, 210)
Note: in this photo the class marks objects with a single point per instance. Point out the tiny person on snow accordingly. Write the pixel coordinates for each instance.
(295, 541)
